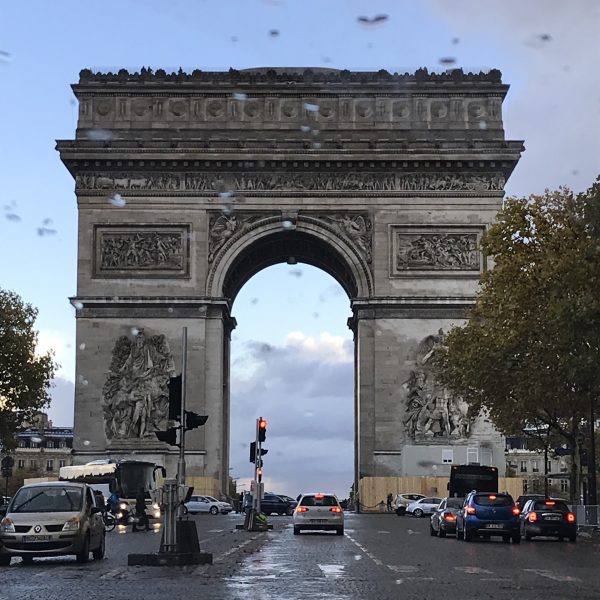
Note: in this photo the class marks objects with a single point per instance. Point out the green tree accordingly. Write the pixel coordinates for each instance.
(25, 377)
(529, 354)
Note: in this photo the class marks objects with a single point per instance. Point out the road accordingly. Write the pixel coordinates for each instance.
(379, 557)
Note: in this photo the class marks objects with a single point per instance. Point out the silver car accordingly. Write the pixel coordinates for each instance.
(424, 506)
(52, 519)
(319, 512)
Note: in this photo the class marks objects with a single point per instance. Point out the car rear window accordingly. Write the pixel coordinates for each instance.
(493, 500)
(550, 505)
(454, 503)
(319, 501)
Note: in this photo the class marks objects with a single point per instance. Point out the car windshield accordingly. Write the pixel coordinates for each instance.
(493, 500)
(319, 501)
(47, 499)
(454, 503)
(550, 505)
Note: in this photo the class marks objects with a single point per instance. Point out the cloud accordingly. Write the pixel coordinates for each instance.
(305, 389)
(61, 407)
(332, 291)
(60, 345)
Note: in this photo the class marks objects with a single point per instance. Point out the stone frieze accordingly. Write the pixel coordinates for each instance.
(437, 251)
(250, 183)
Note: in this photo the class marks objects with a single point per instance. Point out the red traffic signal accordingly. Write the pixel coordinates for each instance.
(262, 430)
(259, 474)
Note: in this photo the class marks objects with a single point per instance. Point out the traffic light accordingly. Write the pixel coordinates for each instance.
(193, 420)
(169, 436)
(262, 430)
(175, 390)
(263, 451)
(259, 474)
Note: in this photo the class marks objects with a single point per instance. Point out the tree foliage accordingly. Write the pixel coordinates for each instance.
(25, 376)
(530, 353)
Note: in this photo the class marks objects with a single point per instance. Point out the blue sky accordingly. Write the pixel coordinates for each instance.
(546, 49)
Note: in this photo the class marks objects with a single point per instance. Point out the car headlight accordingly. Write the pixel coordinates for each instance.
(7, 525)
(72, 524)
(123, 506)
(155, 506)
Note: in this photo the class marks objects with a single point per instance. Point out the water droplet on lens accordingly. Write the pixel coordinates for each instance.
(371, 21)
(274, 32)
(447, 60)
(170, 309)
(316, 145)
(134, 331)
(240, 96)
(86, 442)
(13, 217)
(36, 439)
(455, 40)
(287, 224)
(82, 346)
(225, 194)
(305, 128)
(99, 135)
(228, 210)
(78, 305)
(482, 125)
(118, 201)
(5, 56)
(311, 107)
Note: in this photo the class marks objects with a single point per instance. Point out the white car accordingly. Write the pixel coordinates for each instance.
(207, 504)
(403, 500)
(318, 511)
(424, 506)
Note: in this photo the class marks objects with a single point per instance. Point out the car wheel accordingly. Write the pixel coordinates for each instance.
(84, 555)
(339, 531)
(98, 553)
(516, 538)
(573, 538)
(442, 532)
(467, 535)
(4, 561)
(528, 536)
(214, 510)
(417, 513)
(432, 531)
(296, 530)
(28, 560)
(458, 534)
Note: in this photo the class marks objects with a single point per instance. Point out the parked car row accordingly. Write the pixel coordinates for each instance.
(485, 515)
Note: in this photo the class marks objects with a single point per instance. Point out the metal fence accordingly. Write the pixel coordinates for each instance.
(587, 514)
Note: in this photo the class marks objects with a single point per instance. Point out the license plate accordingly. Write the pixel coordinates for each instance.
(36, 538)
(494, 526)
(552, 518)
(318, 520)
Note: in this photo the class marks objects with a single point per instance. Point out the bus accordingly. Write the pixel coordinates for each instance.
(466, 478)
(125, 477)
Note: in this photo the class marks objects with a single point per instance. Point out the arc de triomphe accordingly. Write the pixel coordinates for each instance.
(189, 184)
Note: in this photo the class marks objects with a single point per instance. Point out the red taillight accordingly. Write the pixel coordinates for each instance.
(516, 511)
(550, 503)
(492, 497)
(471, 510)
(301, 509)
(570, 517)
(335, 509)
(319, 496)
(449, 517)
(532, 517)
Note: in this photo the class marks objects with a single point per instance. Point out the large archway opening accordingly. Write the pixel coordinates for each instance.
(292, 362)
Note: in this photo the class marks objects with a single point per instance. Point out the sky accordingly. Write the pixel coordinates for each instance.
(291, 320)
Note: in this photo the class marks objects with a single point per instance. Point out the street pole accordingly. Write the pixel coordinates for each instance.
(546, 470)
(181, 462)
(592, 491)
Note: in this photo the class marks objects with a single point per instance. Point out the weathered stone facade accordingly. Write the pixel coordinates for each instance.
(188, 184)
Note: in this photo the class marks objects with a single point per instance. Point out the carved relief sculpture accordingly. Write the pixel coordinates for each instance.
(223, 227)
(135, 398)
(355, 227)
(425, 251)
(431, 412)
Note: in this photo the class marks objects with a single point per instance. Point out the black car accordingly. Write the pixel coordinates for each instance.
(271, 503)
(488, 514)
(551, 517)
(443, 520)
(521, 501)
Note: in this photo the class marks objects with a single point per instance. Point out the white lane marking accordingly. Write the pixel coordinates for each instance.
(332, 571)
(383, 532)
(411, 532)
(474, 570)
(403, 568)
(363, 549)
(553, 576)
(216, 530)
(114, 573)
(357, 557)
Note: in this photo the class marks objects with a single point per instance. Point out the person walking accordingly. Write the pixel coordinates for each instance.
(390, 499)
(140, 512)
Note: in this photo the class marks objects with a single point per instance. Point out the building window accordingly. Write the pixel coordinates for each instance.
(62, 463)
(523, 467)
(525, 486)
(564, 485)
(56, 444)
(20, 464)
(33, 444)
(447, 456)
(563, 467)
(535, 466)
(486, 457)
(22, 444)
(50, 465)
(472, 455)
(33, 464)
(549, 466)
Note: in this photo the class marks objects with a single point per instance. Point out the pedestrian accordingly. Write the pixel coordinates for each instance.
(141, 518)
(113, 502)
(390, 499)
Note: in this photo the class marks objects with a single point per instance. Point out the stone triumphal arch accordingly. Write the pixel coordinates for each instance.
(188, 184)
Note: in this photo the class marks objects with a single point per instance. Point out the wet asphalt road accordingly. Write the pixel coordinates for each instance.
(379, 557)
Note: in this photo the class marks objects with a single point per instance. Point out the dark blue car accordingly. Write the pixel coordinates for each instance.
(486, 514)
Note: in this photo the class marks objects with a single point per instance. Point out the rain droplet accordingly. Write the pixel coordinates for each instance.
(99, 135)
(254, 301)
(316, 315)
(118, 201)
(309, 413)
(47, 221)
(228, 210)
(305, 128)
(78, 305)
(86, 442)
(82, 346)
(170, 309)
(13, 217)
(36, 439)
(311, 107)
(42, 231)
(227, 194)
(234, 38)
(134, 331)
(5, 57)
(287, 224)
(447, 60)
(274, 32)
(455, 40)
(482, 125)
(240, 96)
(370, 21)
(316, 145)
